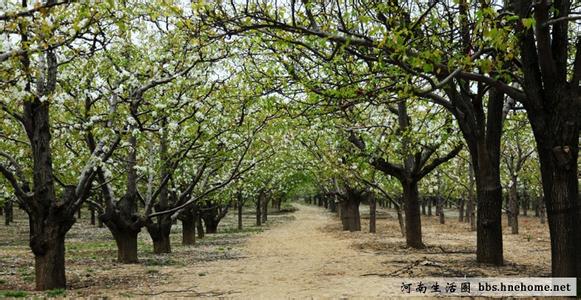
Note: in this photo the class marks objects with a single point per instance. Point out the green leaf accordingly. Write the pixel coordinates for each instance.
(528, 23)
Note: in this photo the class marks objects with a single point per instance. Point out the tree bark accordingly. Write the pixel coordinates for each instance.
(489, 226)
(442, 215)
(372, 213)
(513, 205)
(93, 217)
(199, 225)
(8, 212)
(333, 205)
(126, 241)
(211, 225)
(49, 260)
(560, 186)
(160, 234)
(461, 203)
(264, 211)
(350, 217)
(413, 222)
(240, 207)
(542, 212)
(188, 229)
(401, 221)
(553, 105)
(258, 207)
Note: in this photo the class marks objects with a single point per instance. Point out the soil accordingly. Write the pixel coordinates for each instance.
(303, 255)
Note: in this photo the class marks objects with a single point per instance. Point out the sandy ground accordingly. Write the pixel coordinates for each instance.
(300, 255)
(296, 259)
(311, 257)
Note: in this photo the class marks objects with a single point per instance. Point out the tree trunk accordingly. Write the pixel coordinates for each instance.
(50, 262)
(560, 187)
(461, 203)
(442, 215)
(513, 205)
(489, 226)
(424, 206)
(160, 233)
(162, 244)
(372, 213)
(199, 225)
(126, 246)
(92, 216)
(211, 225)
(542, 212)
(8, 212)
(47, 242)
(332, 205)
(400, 220)
(413, 222)
(240, 205)
(350, 217)
(429, 206)
(264, 212)
(188, 229)
(524, 204)
(258, 212)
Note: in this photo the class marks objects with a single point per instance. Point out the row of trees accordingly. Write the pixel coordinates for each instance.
(132, 110)
(154, 111)
(474, 59)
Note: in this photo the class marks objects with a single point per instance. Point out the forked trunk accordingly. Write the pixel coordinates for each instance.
(47, 242)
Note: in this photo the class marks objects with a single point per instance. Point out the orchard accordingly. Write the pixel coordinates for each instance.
(276, 149)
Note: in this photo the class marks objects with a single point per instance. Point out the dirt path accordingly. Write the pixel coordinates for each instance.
(294, 259)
